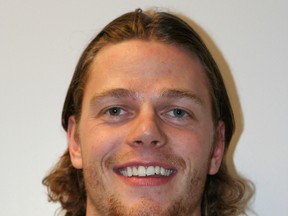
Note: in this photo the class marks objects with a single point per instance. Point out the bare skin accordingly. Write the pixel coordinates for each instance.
(145, 140)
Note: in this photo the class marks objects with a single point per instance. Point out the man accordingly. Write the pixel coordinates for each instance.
(148, 122)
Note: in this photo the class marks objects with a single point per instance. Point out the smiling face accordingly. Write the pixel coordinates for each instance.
(145, 139)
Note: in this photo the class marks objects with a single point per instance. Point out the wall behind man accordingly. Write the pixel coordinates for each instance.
(40, 42)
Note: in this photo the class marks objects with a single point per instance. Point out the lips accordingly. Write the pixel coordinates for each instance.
(141, 174)
(142, 171)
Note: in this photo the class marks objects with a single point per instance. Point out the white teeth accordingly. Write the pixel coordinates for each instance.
(162, 171)
(135, 171)
(145, 171)
(129, 171)
(141, 171)
(150, 171)
(157, 170)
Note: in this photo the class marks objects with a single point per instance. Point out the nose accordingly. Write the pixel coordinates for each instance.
(146, 131)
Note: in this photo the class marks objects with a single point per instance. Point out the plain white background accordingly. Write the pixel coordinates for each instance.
(41, 41)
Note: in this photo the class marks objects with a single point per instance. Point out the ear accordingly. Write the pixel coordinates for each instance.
(218, 150)
(73, 143)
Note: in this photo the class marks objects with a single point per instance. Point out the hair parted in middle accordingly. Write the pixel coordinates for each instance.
(223, 194)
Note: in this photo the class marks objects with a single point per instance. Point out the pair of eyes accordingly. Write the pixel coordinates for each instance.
(176, 112)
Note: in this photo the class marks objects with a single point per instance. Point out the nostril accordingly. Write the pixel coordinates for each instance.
(154, 142)
(138, 142)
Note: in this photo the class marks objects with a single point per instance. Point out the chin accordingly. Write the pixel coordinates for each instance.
(147, 207)
(141, 207)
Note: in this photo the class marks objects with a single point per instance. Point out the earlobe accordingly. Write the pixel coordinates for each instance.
(218, 150)
(73, 143)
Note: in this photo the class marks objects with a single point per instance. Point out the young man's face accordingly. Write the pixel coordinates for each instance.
(146, 139)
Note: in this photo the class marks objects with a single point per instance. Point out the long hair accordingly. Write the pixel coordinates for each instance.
(223, 194)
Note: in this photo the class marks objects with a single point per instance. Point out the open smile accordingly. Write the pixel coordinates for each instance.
(142, 171)
(138, 173)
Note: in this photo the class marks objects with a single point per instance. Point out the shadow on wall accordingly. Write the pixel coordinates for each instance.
(236, 106)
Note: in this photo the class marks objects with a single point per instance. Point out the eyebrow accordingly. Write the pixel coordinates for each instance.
(114, 93)
(125, 93)
(180, 93)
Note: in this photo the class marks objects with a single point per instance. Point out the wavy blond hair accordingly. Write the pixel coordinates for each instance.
(224, 195)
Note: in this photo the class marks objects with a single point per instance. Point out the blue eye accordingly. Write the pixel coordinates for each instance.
(179, 113)
(115, 111)
(115, 114)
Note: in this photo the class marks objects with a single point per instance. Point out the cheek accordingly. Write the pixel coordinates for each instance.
(193, 146)
(98, 143)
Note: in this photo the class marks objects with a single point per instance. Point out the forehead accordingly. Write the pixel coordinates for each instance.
(146, 66)
(128, 50)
